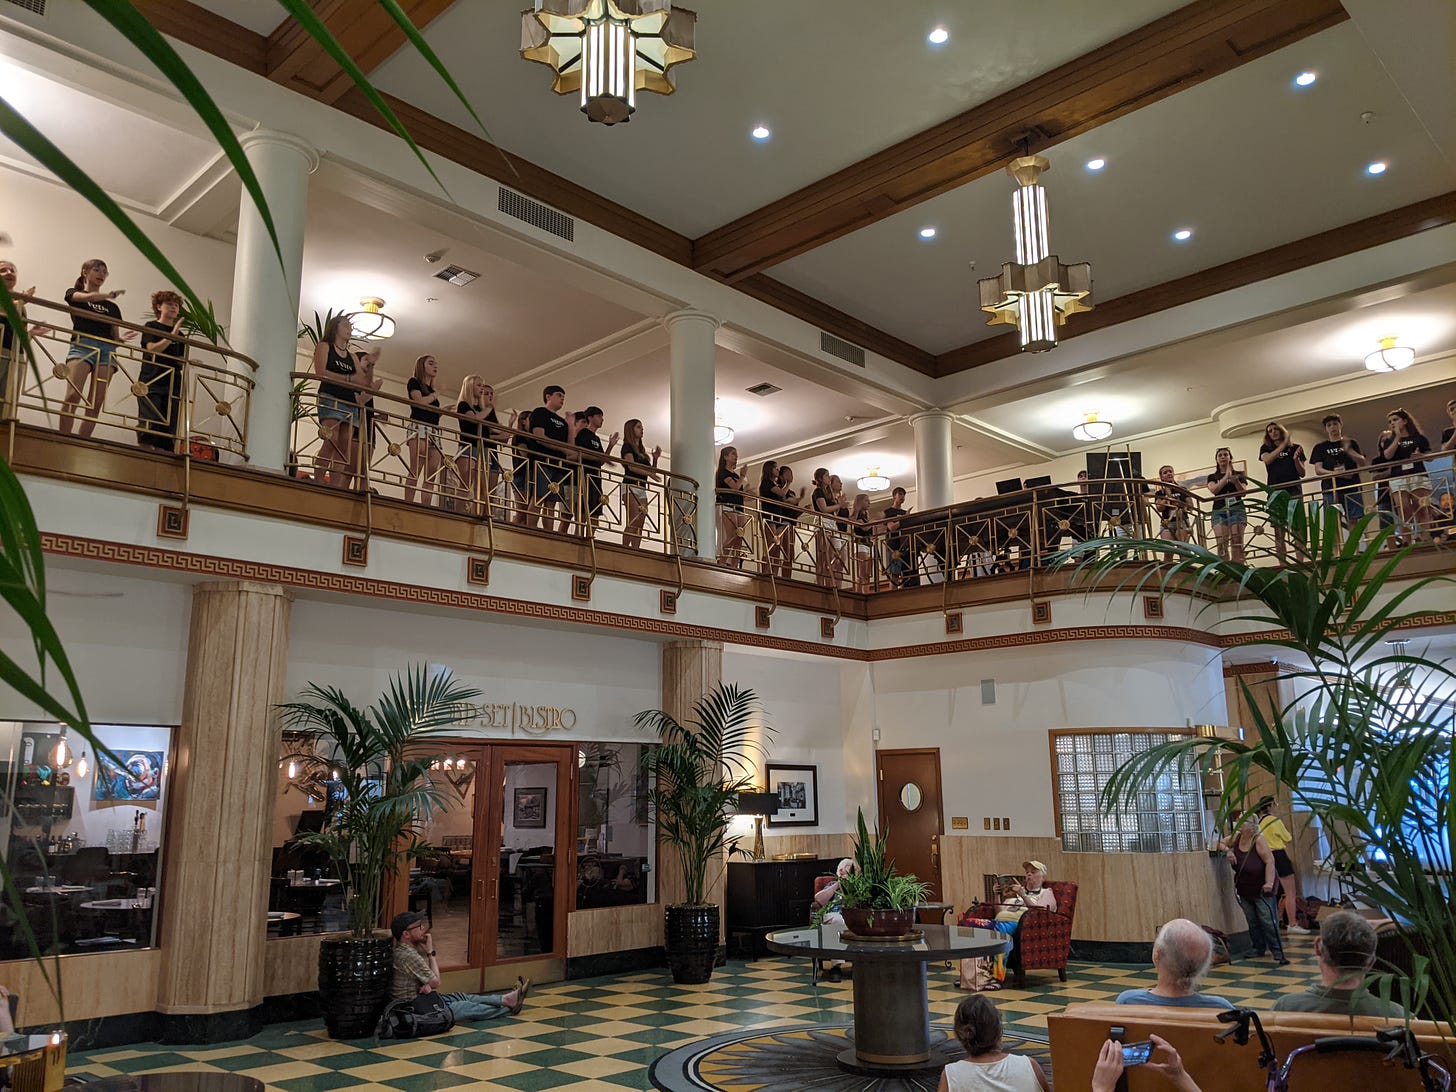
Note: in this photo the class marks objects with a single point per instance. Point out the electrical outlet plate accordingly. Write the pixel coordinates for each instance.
(986, 822)
(960, 822)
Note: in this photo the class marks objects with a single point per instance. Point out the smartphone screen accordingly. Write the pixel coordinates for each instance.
(1137, 1053)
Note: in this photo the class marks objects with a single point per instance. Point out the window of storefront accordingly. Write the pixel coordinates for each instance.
(85, 832)
(304, 895)
(613, 838)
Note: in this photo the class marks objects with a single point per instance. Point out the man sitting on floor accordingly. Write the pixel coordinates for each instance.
(1181, 956)
(417, 971)
(1346, 950)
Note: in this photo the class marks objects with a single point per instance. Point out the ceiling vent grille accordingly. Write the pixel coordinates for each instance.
(457, 275)
(537, 215)
(763, 390)
(37, 6)
(847, 351)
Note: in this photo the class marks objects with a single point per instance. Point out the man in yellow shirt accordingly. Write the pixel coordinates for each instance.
(1277, 835)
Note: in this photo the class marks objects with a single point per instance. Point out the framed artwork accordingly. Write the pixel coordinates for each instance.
(797, 788)
(530, 808)
(139, 777)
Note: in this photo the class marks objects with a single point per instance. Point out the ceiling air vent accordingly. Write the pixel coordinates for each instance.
(537, 215)
(763, 390)
(37, 6)
(847, 351)
(457, 275)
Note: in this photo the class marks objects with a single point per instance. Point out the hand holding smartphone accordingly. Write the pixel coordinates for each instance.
(1137, 1053)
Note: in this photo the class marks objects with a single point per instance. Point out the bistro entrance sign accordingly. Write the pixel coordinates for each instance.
(513, 717)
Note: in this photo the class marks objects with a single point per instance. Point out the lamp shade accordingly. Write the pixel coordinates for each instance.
(758, 803)
(371, 323)
(1390, 357)
(1092, 430)
(873, 481)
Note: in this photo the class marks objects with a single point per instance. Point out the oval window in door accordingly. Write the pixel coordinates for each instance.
(910, 796)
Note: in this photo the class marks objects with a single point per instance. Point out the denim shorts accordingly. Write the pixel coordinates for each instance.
(1231, 516)
(339, 409)
(92, 350)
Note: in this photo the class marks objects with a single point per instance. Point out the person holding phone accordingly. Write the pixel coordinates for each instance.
(1156, 1053)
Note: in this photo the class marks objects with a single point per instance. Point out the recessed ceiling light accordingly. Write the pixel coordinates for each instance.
(761, 132)
(1305, 79)
(1378, 167)
(1096, 164)
(927, 233)
(1182, 235)
(938, 36)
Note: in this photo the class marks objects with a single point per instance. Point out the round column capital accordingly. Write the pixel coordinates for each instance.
(930, 415)
(691, 315)
(273, 137)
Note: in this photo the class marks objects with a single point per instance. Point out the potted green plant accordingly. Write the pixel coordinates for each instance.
(384, 772)
(875, 899)
(1363, 742)
(694, 777)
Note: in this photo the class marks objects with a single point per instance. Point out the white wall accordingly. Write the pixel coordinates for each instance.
(995, 759)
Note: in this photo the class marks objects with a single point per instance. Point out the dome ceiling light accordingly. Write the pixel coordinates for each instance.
(1390, 357)
(1091, 430)
(1036, 293)
(608, 50)
(873, 481)
(371, 323)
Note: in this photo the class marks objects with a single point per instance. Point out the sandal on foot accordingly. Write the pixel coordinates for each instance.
(523, 987)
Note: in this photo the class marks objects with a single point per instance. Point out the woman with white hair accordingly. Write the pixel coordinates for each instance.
(831, 902)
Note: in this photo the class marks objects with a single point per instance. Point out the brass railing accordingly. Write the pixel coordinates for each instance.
(195, 404)
(503, 477)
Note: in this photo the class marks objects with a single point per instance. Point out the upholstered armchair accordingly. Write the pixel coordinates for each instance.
(1043, 939)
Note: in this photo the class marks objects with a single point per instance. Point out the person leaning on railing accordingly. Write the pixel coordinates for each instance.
(476, 407)
(544, 467)
(92, 354)
(588, 423)
(339, 410)
(1333, 458)
(159, 409)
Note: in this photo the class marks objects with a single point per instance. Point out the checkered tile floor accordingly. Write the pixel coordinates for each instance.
(602, 1034)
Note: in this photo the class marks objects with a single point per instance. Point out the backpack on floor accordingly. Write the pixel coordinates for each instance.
(421, 1015)
(1306, 912)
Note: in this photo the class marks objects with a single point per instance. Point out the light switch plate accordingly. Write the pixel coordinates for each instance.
(959, 822)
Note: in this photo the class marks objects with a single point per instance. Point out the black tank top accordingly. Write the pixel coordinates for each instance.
(338, 364)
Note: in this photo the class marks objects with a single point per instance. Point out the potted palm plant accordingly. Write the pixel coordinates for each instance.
(694, 778)
(387, 791)
(876, 899)
(1364, 743)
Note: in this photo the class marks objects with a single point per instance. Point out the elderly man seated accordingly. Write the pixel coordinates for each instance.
(1346, 950)
(1013, 899)
(831, 902)
(1181, 957)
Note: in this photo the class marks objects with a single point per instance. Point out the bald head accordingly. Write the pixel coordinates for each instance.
(1181, 955)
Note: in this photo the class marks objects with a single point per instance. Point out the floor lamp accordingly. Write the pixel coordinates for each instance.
(758, 804)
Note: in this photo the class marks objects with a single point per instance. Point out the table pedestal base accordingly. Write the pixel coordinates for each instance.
(891, 1018)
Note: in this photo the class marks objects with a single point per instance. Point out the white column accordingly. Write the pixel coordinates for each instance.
(691, 348)
(933, 476)
(265, 296)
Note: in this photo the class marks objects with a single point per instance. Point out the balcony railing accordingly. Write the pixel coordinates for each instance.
(191, 399)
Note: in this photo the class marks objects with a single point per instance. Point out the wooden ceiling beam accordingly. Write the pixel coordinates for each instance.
(1182, 49)
(366, 32)
(208, 31)
(1434, 212)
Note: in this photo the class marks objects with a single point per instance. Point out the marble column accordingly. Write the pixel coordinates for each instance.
(933, 475)
(220, 822)
(689, 670)
(266, 296)
(691, 354)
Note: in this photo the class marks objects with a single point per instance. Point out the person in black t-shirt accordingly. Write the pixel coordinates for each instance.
(91, 356)
(426, 454)
(1285, 461)
(1443, 474)
(339, 410)
(1227, 485)
(1410, 487)
(897, 565)
(476, 410)
(551, 472)
(588, 421)
(159, 409)
(637, 466)
(1336, 453)
(728, 489)
(9, 344)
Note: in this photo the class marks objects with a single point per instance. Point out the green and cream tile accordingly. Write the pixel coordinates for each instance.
(602, 1034)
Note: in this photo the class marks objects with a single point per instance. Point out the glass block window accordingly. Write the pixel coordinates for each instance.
(1167, 816)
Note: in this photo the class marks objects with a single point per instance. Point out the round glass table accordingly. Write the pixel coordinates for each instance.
(891, 1005)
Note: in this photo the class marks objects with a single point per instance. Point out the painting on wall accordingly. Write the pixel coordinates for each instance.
(797, 788)
(138, 777)
(530, 808)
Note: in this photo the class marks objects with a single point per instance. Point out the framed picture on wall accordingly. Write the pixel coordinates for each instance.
(530, 808)
(797, 788)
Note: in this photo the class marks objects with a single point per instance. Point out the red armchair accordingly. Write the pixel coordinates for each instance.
(1043, 939)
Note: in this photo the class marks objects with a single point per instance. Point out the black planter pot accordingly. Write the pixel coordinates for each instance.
(692, 942)
(354, 984)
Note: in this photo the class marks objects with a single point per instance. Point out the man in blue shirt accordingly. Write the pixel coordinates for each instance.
(1181, 956)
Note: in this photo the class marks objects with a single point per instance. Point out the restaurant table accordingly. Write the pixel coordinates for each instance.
(891, 1006)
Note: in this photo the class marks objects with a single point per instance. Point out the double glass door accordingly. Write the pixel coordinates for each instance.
(493, 876)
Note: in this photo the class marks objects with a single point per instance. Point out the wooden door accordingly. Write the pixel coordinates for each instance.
(911, 812)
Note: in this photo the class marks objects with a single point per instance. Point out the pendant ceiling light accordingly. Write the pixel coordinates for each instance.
(722, 432)
(61, 755)
(1092, 430)
(371, 323)
(1036, 292)
(1390, 357)
(873, 481)
(608, 50)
